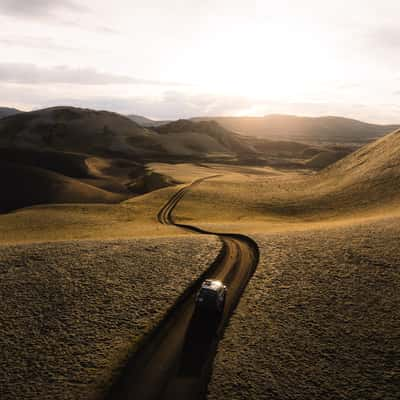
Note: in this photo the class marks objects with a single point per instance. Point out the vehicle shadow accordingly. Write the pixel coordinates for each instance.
(200, 337)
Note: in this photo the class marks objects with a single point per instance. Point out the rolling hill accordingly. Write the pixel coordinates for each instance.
(75, 130)
(7, 111)
(184, 137)
(107, 134)
(66, 154)
(363, 184)
(371, 175)
(110, 135)
(25, 186)
(320, 129)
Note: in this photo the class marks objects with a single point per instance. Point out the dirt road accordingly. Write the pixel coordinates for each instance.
(175, 362)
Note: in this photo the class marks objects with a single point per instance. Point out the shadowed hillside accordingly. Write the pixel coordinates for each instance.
(110, 135)
(6, 111)
(205, 137)
(75, 130)
(69, 164)
(25, 186)
(321, 129)
(107, 134)
(105, 153)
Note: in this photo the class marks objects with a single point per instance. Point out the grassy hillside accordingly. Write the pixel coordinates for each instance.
(72, 312)
(136, 217)
(325, 158)
(321, 129)
(206, 137)
(319, 319)
(363, 183)
(242, 198)
(75, 130)
(25, 186)
(368, 176)
(106, 134)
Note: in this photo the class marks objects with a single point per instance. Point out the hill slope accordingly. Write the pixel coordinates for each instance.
(107, 134)
(328, 129)
(186, 137)
(75, 130)
(371, 174)
(25, 186)
(6, 111)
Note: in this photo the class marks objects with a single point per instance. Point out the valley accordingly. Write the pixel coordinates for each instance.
(91, 279)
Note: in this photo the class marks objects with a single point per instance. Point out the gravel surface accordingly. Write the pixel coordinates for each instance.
(320, 319)
(71, 312)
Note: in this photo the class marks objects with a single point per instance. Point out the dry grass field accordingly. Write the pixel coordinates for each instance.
(365, 184)
(72, 312)
(320, 319)
(136, 217)
(245, 199)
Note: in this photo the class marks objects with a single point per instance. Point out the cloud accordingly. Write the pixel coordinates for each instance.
(387, 37)
(49, 10)
(33, 74)
(45, 43)
(38, 8)
(171, 105)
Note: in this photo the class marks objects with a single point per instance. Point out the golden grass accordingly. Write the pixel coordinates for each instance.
(72, 312)
(318, 320)
(241, 199)
(244, 199)
(362, 186)
(136, 217)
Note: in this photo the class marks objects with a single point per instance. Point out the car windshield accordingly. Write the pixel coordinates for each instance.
(204, 292)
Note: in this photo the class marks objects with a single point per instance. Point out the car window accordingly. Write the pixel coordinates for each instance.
(207, 293)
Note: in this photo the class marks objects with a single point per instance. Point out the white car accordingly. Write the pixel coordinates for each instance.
(211, 296)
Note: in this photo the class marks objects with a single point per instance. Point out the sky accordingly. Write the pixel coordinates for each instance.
(168, 59)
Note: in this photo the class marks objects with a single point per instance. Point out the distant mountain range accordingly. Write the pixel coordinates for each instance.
(146, 122)
(329, 129)
(289, 127)
(108, 134)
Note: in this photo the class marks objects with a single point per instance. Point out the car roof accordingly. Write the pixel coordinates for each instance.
(212, 284)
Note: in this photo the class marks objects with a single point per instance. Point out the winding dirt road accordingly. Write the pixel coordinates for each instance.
(176, 360)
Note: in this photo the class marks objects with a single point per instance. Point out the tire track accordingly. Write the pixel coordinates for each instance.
(175, 361)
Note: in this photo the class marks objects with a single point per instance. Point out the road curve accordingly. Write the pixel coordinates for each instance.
(175, 361)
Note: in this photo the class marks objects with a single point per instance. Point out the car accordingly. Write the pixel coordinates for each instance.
(211, 296)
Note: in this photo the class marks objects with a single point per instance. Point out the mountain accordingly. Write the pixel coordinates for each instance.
(70, 129)
(66, 154)
(320, 129)
(146, 122)
(6, 111)
(107, 134)
(186, 137)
